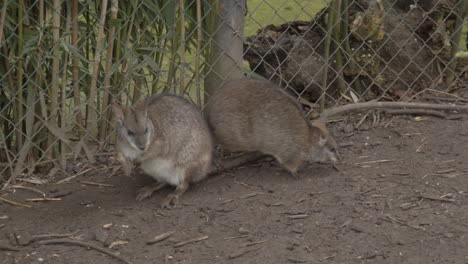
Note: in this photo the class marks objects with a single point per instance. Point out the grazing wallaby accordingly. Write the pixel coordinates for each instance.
(256, 115)
(168, 138)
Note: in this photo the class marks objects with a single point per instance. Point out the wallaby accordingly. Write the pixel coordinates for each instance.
(168, 138)
(257, 115)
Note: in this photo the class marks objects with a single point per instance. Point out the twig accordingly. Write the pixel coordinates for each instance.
(245, 184)
(416, 112)
(440, 199)
(86, 245)
(43, 199)
(241, 252)
(370, 105)
(183, 243)
(161, 237)
(298, 216)
(52, 236)
(27, 188)
(392, 219)
(15, 203)
(445, 171)
(419, 149)
(362, 120)
(97, 184)
(373, 161)
(74, 176)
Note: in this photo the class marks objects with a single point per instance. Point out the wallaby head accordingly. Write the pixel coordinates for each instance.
(324, 147)
(134, 126)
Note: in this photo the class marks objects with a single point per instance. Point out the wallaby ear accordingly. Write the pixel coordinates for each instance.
(320, 124)
(118, 111)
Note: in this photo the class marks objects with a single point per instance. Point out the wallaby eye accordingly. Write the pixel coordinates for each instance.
(146, 130)
(130, 133)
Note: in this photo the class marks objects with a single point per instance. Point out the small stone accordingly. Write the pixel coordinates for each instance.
(24, 239)
(101, 235)
(243, 231)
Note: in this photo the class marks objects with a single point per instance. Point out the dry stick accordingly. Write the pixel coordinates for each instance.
(416, 112)
(14, 203)
(161, 237)
(392, 219)
(183, 243)
(373, 161)
(97, 184)
(74, 176)
(43, 199)
(86, 245)
(241, 252)
(299, 216)
(369, 105)
(436, 198)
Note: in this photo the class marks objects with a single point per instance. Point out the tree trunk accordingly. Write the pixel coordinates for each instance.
(225, 58)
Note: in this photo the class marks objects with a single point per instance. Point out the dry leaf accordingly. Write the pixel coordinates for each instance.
(117, 243)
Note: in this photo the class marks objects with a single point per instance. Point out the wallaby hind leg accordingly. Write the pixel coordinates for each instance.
(173, 197)
(147, 191)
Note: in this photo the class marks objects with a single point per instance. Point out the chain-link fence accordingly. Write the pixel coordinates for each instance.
(63, 63)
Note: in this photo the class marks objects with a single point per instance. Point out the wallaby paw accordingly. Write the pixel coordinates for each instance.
(144, 193)
(170, 201)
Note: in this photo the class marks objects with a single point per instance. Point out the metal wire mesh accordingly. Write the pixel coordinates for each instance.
(63, 63)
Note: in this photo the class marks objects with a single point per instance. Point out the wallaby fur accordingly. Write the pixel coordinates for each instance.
(168, 138)
(257, 115)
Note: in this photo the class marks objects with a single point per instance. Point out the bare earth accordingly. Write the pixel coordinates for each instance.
(399, 195)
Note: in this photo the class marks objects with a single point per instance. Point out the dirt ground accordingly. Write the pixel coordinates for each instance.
(398, 195)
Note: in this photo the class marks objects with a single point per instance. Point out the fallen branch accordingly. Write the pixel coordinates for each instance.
(416, 112)
(371, 105)
(86, 245)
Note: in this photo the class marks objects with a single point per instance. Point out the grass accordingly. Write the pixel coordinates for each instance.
(265, 12)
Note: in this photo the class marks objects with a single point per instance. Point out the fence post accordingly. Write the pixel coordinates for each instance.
(225, 58)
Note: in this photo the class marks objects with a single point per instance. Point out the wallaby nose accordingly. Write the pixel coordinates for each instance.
(141, 147)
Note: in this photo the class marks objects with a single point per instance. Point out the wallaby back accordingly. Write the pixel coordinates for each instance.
(256, 115)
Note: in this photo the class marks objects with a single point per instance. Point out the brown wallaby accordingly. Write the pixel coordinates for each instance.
(168, 138)
(256, 115)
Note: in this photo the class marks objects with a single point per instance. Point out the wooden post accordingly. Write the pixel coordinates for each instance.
(225, 59)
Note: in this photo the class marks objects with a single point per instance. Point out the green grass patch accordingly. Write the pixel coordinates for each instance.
(265, 12)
